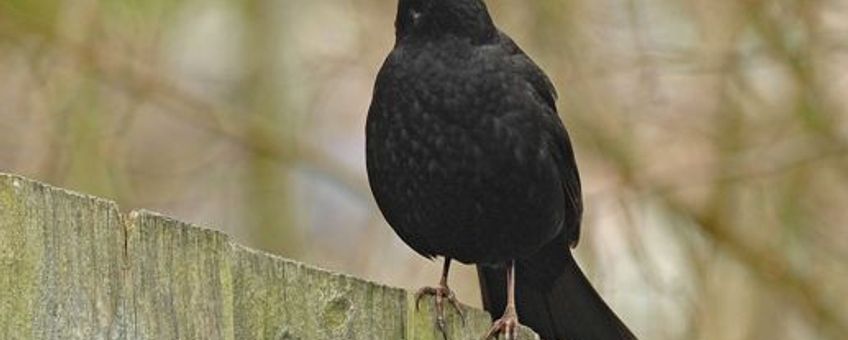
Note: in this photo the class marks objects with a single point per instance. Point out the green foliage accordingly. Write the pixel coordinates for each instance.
(40, 15)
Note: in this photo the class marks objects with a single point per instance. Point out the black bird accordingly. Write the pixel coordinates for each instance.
(468, 159)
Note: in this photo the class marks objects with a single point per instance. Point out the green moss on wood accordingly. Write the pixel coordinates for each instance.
(61, 260)
(72, 267)
(17, 256)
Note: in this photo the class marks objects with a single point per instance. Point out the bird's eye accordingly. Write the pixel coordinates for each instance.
(415, 15)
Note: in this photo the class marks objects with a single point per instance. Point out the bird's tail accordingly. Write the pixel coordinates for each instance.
(553, 297)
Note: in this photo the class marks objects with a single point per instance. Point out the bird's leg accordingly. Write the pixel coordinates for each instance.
(508, 323)
(442, 293)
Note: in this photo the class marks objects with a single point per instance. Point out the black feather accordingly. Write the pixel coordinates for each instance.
(553, 297)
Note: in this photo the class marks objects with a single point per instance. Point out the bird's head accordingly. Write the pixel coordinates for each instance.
(435, 19)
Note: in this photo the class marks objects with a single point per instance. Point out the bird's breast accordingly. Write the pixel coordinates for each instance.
(475, 191)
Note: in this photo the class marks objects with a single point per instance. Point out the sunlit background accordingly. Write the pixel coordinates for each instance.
(711, 135)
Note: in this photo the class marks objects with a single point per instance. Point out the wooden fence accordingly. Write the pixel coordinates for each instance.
(74, 267)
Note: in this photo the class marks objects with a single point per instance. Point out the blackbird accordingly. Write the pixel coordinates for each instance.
(468, 159)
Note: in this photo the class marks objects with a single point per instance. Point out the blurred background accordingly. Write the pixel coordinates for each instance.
(711, 135)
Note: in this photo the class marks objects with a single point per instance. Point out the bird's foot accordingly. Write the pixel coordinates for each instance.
(506, 325)
(442, 293)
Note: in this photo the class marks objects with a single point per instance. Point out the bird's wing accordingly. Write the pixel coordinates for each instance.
(522, 63)
(567, 165)
(561, 143)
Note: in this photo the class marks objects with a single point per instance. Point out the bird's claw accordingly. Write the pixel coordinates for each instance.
(506, 325)
(441, 294)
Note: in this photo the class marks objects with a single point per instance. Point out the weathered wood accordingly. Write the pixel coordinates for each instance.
(61, 263)
(73, 267)
(180, 280)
